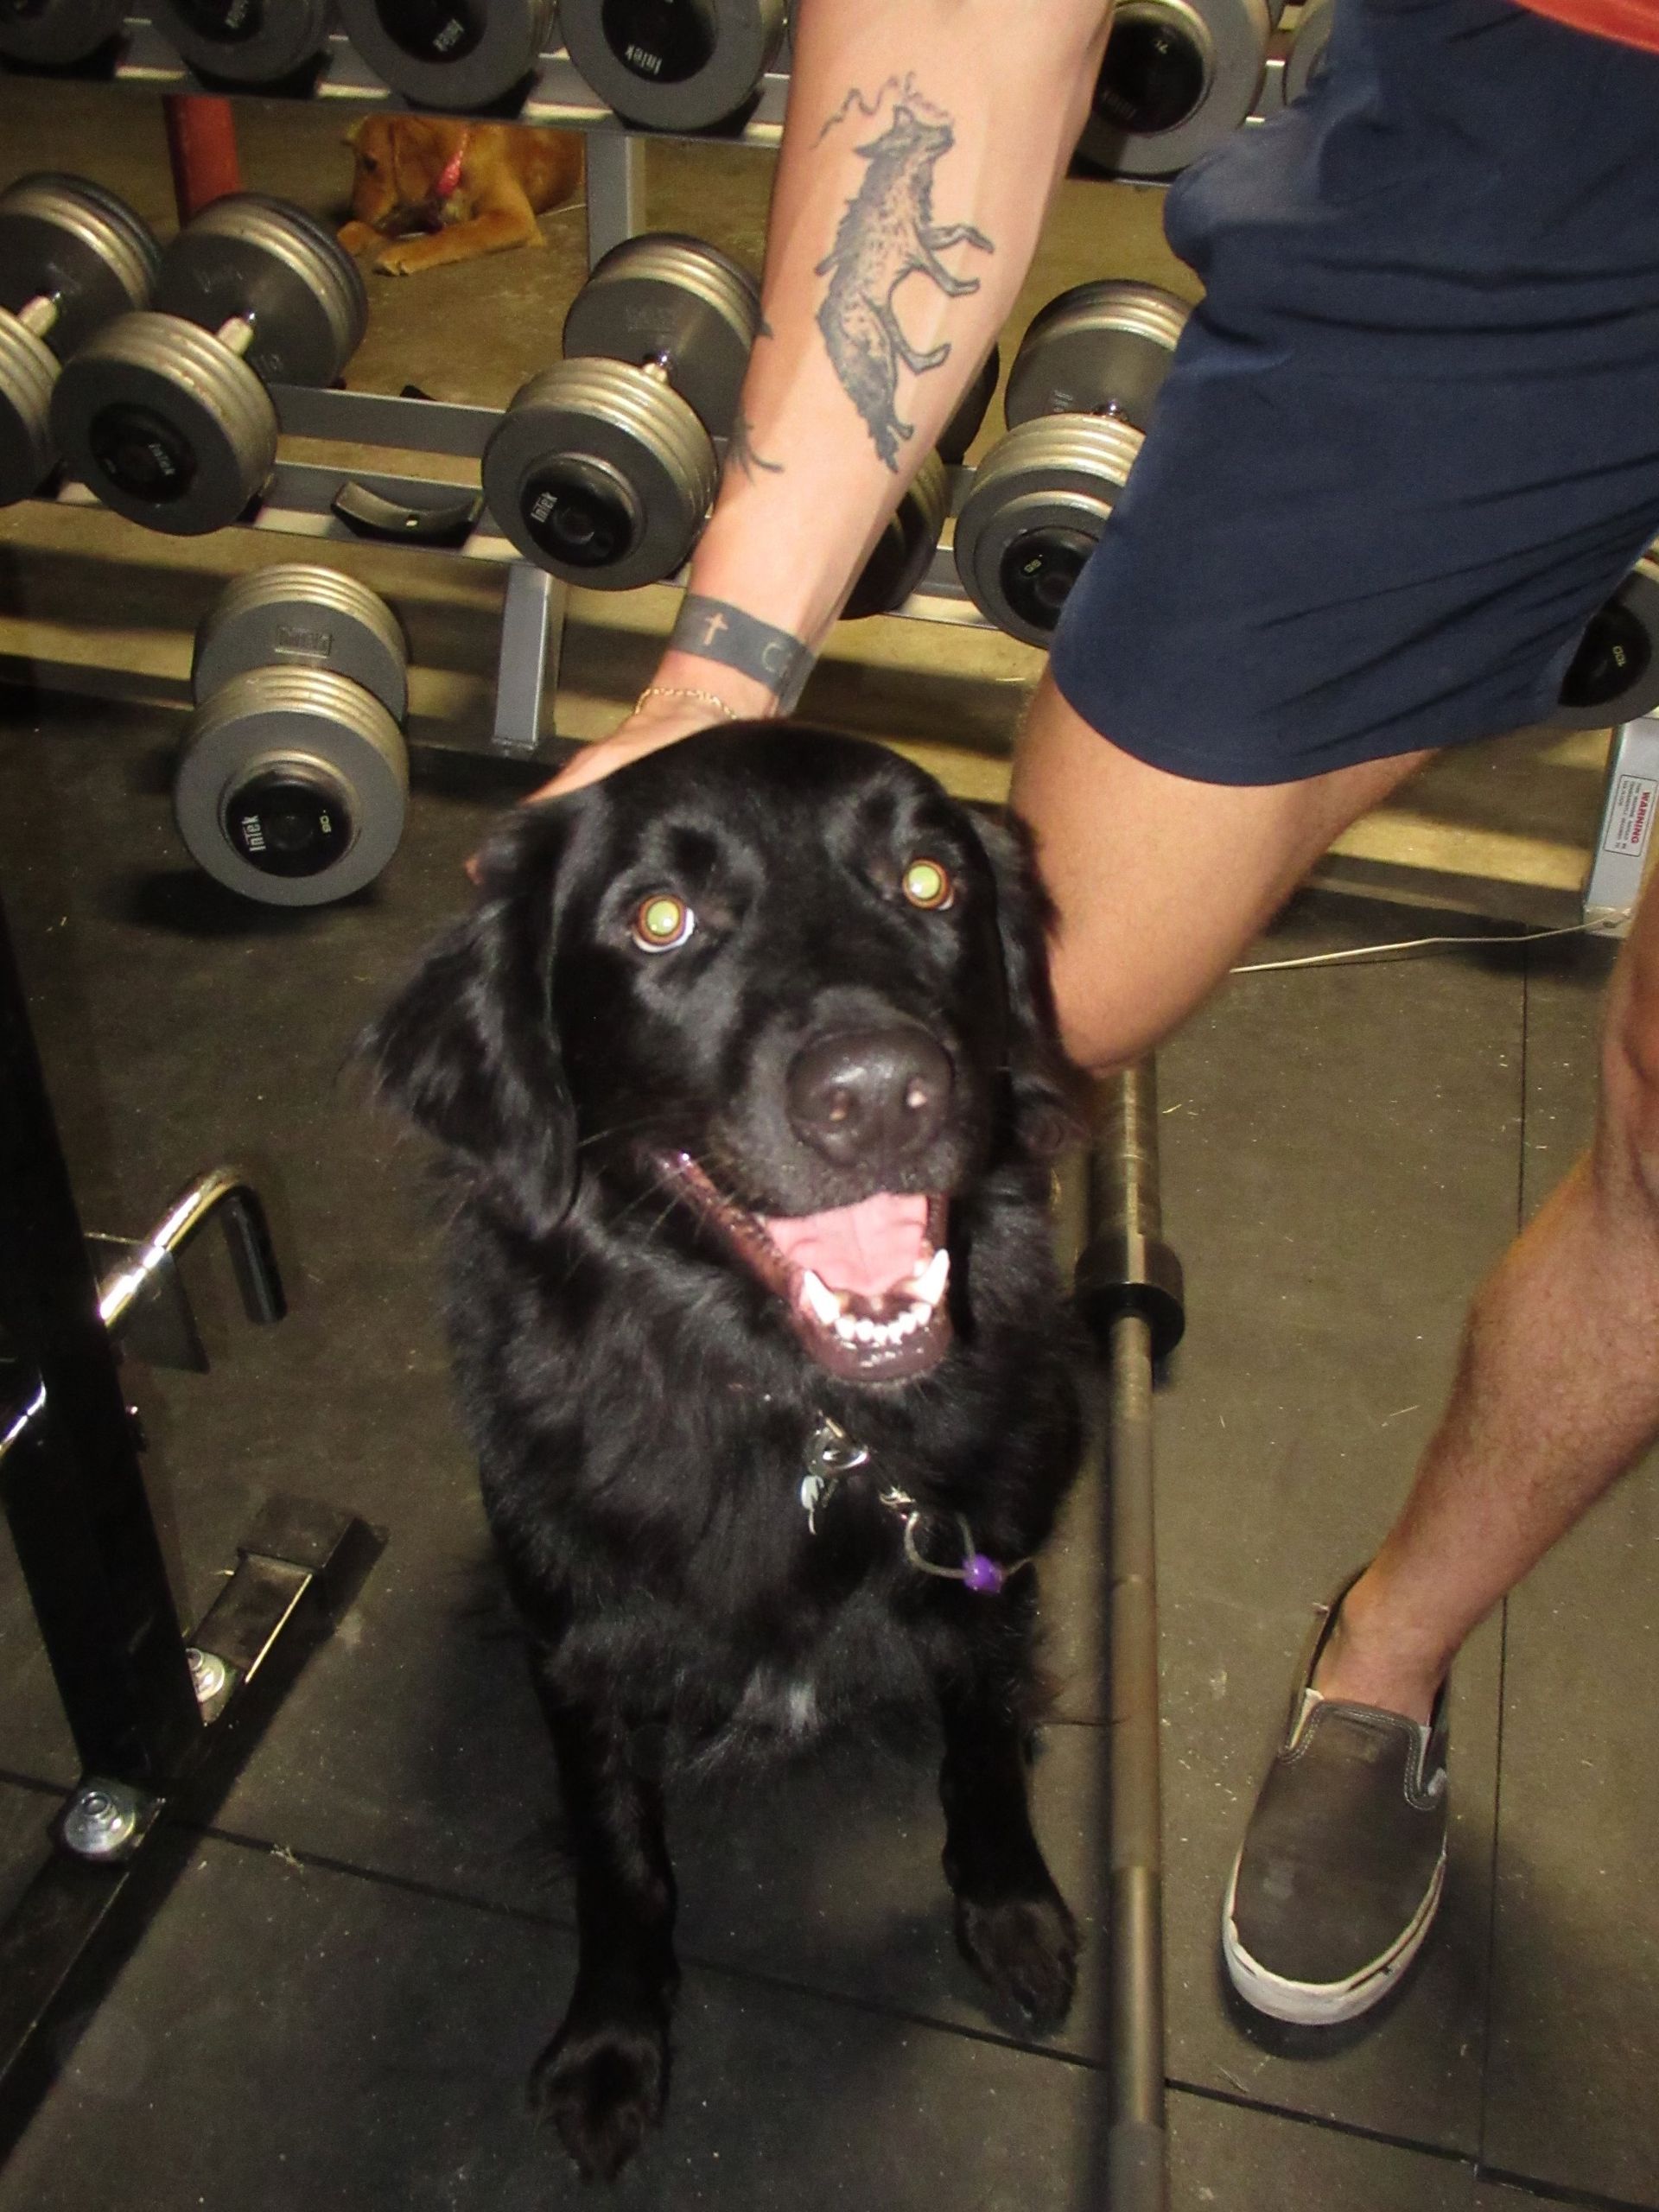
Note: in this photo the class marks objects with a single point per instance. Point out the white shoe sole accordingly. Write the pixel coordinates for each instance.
(1317, 2003)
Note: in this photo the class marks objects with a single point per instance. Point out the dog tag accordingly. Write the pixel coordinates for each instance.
(830, 1453)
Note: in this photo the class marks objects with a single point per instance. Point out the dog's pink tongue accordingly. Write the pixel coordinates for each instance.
(868, 1249)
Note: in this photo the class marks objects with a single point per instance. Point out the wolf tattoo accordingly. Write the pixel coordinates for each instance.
(886, 234)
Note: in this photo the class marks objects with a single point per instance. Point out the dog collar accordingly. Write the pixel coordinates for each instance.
(831, 1455)
(448, 182)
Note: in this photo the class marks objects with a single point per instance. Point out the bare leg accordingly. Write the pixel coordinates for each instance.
(1557, 1392)
(1161, 883)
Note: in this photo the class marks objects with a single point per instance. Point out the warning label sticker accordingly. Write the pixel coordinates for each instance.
(1630, 815)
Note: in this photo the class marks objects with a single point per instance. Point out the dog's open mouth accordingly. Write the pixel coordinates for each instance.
(864, 1285)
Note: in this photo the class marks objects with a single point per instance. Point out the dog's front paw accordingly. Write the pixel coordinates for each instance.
(1027, 1949)
(403, 256)
(601, 2086)
(357, 237)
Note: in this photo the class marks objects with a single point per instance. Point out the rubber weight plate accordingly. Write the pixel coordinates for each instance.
(680, 303)
(904, 550)
(1614, 675)
(1307, 44)
(1101, 348)
(299, 615)
(29, 370)
(292, 786)
(601, 474)
(259, 258)
(243, 41)
(1039, 501)
(673, 64)
(450, 54)
(67, 238)
(165, 424)
(53, 31)
(1178, 76)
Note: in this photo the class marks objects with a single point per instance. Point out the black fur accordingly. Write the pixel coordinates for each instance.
(638, 1402)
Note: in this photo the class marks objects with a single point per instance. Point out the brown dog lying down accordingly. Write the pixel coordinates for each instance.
(462, 189)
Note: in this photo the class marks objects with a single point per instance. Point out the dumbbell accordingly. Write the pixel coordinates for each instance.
(1307, 44)
(1080, 395)
(72, 256)
(55, 32)
(450, 54)
(293, 778)
(1178, 78)
(1614, 675)
(673, 64)
(165, 414)
(603, 469)
(904, 552)
(243, 41)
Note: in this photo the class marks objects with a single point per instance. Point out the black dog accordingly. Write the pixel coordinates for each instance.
(747, 1069)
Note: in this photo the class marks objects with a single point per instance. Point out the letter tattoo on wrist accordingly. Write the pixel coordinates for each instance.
(888, 234)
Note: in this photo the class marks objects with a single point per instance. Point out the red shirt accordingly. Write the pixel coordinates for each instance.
(1634, 22)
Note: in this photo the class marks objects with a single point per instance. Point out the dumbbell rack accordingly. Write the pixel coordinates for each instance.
(303, 497)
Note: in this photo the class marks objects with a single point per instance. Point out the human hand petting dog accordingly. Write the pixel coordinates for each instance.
(686, 695)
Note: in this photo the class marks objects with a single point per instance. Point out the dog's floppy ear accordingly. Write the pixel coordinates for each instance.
(1047, 1089)
(467, 1048)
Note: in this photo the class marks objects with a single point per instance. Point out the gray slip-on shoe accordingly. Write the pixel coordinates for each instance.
(1340, 1871)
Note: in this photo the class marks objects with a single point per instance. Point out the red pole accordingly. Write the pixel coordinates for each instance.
(201, 146)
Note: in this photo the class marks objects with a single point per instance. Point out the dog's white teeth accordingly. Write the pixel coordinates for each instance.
(868, 1332)
(928, 1288)
(846, 1329)
(821, 1302)
(915, 1315)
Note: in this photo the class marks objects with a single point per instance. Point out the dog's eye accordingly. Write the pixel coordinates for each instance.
(371, 167)
(662, 923)
(926, 884)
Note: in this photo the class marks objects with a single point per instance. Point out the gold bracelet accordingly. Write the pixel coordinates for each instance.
(684, 691)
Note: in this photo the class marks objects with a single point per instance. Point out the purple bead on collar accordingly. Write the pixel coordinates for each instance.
(981, 1573)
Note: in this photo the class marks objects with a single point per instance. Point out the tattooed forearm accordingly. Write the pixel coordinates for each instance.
(886, 234)
(741, 453)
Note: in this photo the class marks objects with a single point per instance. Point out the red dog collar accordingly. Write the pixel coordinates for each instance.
(448, 182)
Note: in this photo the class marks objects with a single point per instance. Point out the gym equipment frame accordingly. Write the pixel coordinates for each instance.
(161, 1722)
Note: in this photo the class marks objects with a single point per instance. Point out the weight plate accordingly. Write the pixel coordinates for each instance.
(53, 31)
(28, 369)
(243, 41)
(166, 425)
(252, 257)
(1039, 502)
(1179, 78)
(270, 764)
(972, 408)
(455, 55)
(1307, 46)
(69, 240)
(1100, 348)
(904, 551)
(1614, 675)
(674, 301)
(601, 474)
(673, 64)
(298, 614)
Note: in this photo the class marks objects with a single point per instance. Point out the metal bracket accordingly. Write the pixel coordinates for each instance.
(140, 1298)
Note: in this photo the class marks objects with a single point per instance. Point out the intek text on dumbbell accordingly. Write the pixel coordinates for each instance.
(456, 55)
(243, 41)
(165, 415)
(293, 778)
(1178, 78)
(681, 68)
(72, 256)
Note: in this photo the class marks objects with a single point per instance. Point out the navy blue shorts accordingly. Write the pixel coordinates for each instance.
(1410, 441)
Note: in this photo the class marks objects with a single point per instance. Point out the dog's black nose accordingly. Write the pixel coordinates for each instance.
(869, 1096)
